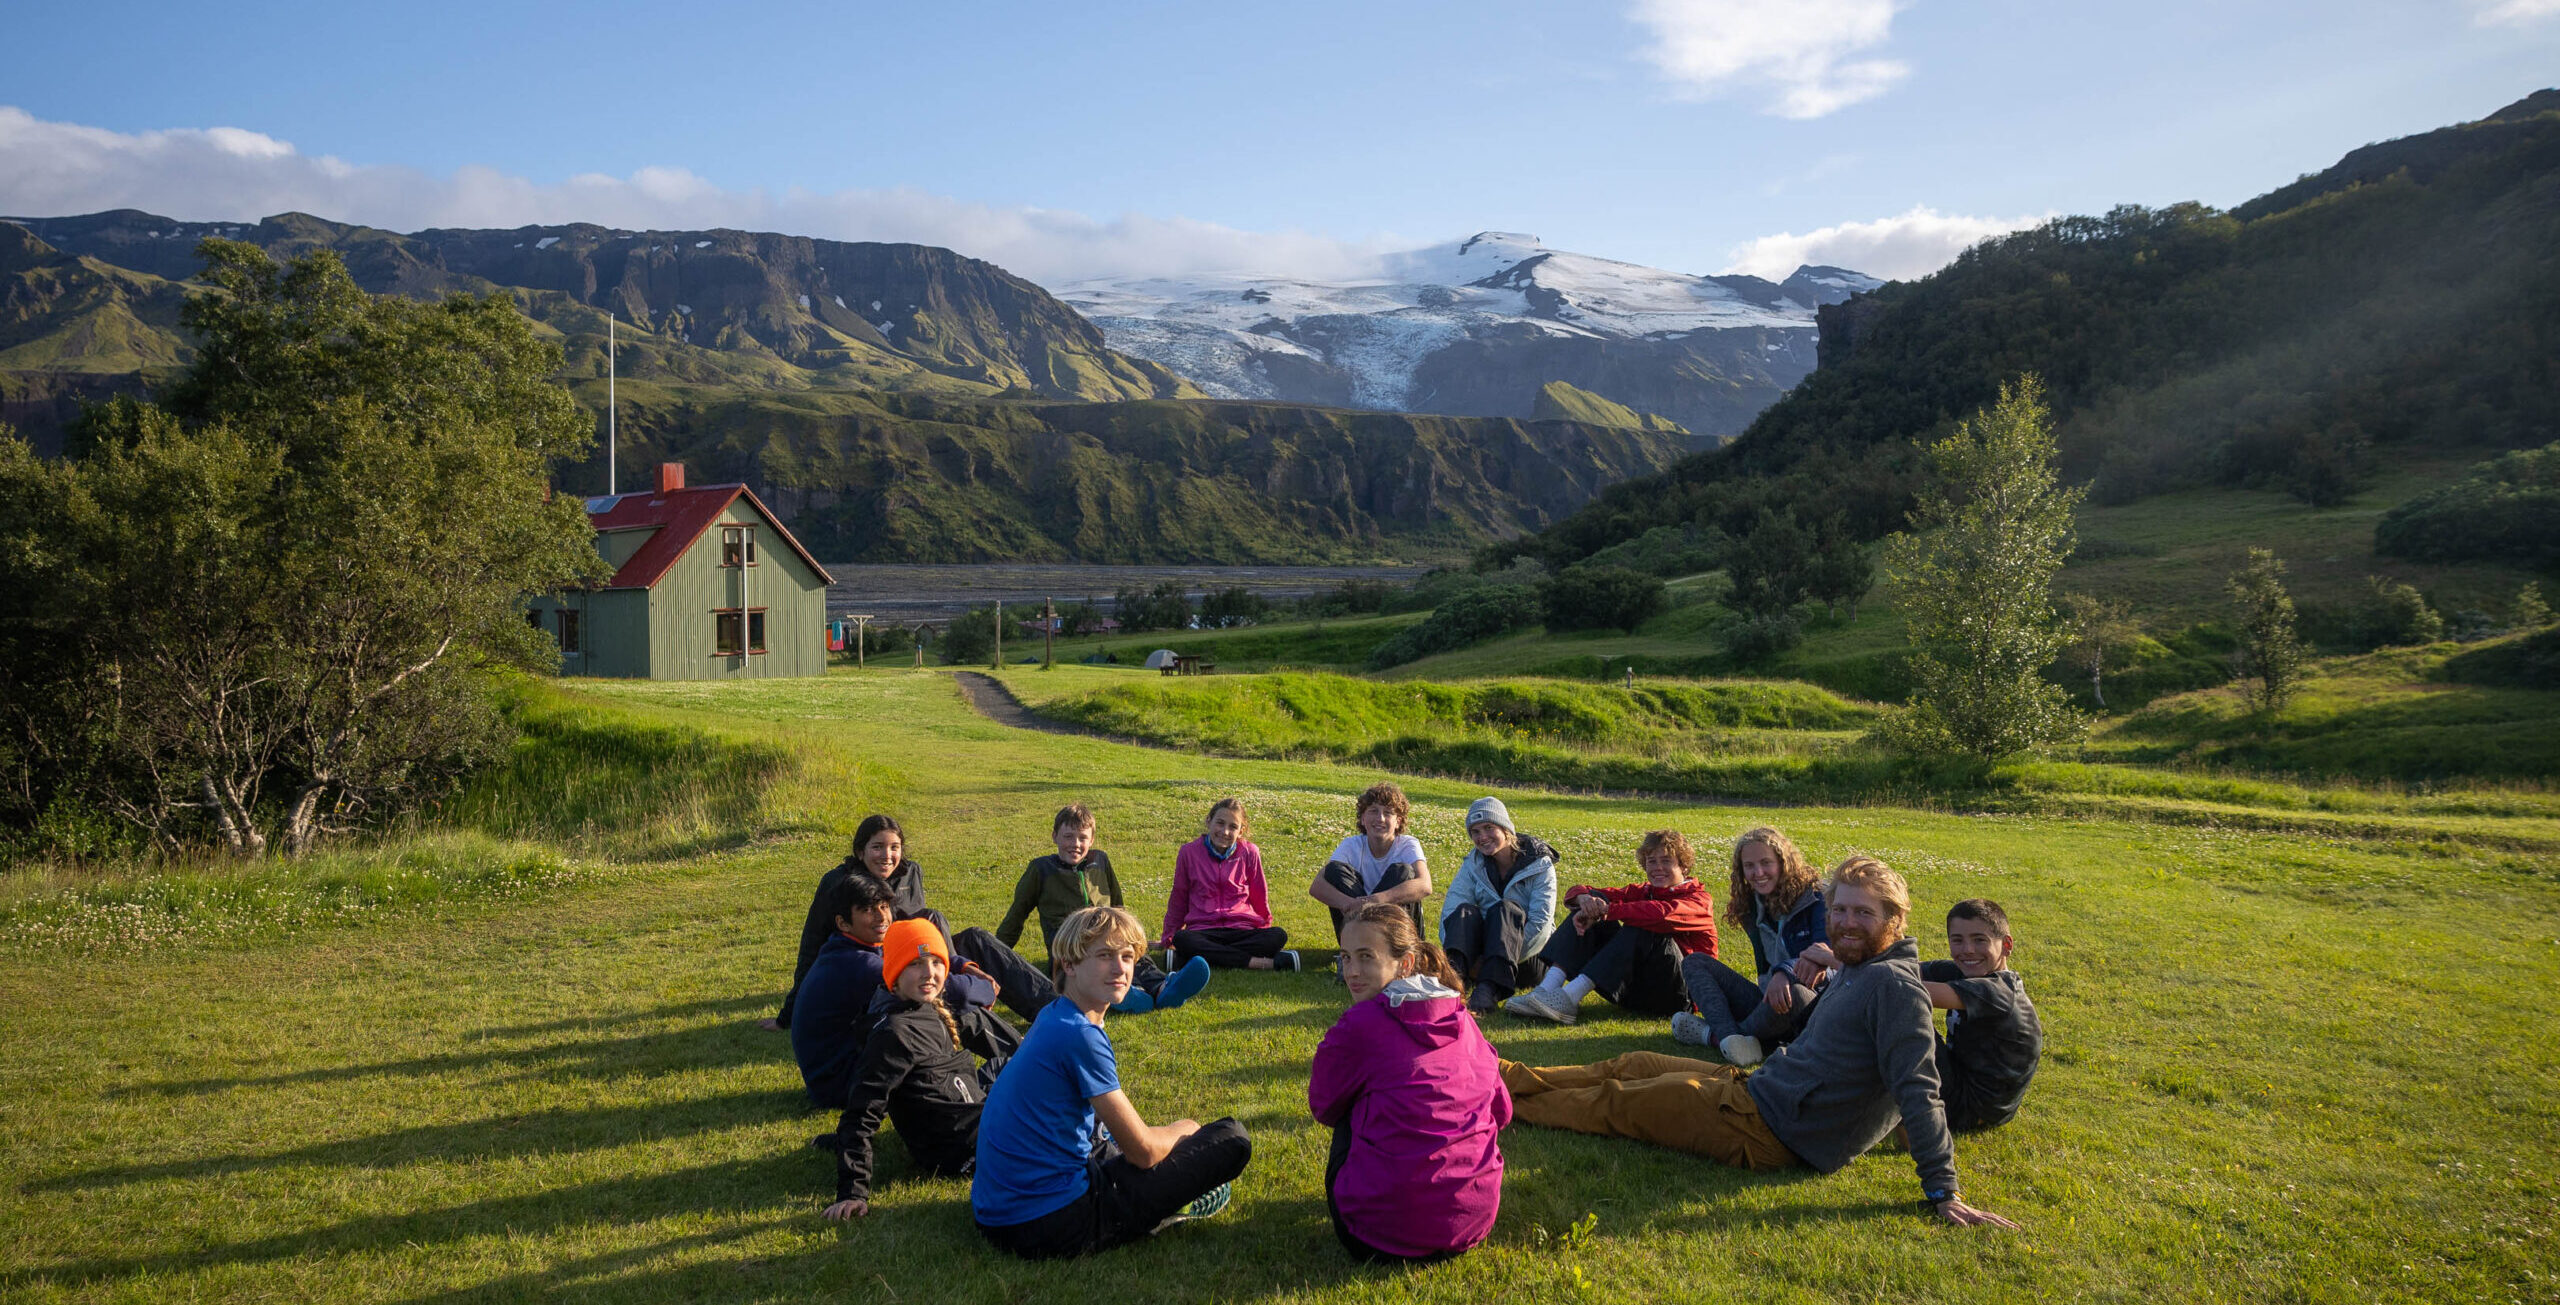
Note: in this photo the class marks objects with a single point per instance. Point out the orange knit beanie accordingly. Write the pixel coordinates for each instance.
(907, 940)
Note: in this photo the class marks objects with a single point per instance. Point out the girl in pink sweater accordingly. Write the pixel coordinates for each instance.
(1414, 1096)
(1219, 910)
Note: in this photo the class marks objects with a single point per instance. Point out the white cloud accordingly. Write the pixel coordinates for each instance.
(1798, 52)
(1897, 248)
(231, 175)
(2515, 13)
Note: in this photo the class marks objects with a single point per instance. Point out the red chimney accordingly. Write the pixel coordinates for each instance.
(670, 477)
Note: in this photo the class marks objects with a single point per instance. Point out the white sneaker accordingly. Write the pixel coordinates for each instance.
(1741, 1049)
(1541, 1004)
(1689, 1029)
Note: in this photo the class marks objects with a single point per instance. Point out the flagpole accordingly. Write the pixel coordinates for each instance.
(612, 453)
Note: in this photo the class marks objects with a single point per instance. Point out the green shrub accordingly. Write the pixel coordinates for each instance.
(1469, 617)
(1755, 640)
(1600, 598)
(2506, 510)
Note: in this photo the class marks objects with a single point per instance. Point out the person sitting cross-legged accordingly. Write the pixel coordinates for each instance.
(1626, 943)
(1993, 1039)
(1865, 1061)
(1381, 863)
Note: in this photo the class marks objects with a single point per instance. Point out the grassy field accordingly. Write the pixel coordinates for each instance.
(2281, 1068)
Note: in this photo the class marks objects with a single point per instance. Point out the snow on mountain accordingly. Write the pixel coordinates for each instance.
(1362, 341)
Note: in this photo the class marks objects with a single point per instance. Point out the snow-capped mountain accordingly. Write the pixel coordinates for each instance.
(1477, 327)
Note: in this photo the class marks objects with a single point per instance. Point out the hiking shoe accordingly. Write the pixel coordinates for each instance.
(1689, 1029)
(1542, 1004)
(823, 1142)
(1185, 984)
(1214, 1201)
(1741, 1049)
(1286, 961)
(1484, 998)
(1138, 1002)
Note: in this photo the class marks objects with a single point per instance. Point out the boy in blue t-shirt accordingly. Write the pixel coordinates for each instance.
(1048, 1183)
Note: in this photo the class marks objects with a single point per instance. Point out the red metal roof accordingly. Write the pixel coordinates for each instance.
(681, 518)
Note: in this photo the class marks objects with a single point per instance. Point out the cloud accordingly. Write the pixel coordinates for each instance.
(1897, 248)
(228, 174)
(1798, 52)
(2515, 13)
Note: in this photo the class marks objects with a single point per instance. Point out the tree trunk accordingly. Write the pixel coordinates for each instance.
(239, 832)
(301, 823)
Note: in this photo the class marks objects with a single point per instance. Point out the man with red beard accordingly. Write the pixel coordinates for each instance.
(1865, 1060)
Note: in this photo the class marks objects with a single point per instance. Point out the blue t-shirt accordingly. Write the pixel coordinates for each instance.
(1036, 1130)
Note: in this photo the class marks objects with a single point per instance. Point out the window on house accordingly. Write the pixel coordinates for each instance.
(737, 545)
(726, 632)
(533, 617)
(755, 631)
(569, 633)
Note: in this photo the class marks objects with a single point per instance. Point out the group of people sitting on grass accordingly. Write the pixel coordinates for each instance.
(892, 1015)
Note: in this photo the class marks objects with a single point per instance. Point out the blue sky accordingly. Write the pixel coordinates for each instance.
(1085, 139)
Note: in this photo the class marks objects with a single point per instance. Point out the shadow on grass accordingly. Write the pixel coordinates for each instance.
(733, 1042)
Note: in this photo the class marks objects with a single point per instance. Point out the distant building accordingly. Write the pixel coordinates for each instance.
(707, 585)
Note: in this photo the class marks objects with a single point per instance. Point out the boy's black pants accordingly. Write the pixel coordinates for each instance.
(1635, 968)
(1021, 985)
(1490, 947)
(1346, 879)
(1229, 949)
(1122, 1202)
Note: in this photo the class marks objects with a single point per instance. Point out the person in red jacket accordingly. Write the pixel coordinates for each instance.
(1627, 943)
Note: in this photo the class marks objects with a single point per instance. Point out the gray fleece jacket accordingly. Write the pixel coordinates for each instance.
(1867, 1056)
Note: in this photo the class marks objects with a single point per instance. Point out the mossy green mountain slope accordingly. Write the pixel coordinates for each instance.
(881, 477)
(742, 306)
(2404, 304)
(1564, 401)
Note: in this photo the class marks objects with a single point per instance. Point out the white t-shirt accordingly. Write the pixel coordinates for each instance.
(1354, 852)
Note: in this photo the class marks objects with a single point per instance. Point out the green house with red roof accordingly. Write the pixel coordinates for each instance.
(707, 585)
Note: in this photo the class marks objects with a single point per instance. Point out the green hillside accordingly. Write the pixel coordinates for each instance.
(879, 477)
(1562, 401)
(2356, 323)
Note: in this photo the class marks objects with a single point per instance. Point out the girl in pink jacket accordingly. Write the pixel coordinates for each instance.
(1219, 910)
(1414, 1096)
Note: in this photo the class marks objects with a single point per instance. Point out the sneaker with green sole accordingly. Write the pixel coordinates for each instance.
(1211, 1203)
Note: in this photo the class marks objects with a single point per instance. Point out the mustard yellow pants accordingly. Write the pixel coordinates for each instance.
(1687, 1105)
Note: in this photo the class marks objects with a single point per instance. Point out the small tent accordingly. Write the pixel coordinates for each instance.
(1160, 658)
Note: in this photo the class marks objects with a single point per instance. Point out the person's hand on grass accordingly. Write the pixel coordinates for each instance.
(1955, 1211)
(843, 1210)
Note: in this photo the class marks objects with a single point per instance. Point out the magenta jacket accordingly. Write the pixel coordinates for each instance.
(1212, 894)
(1412, 1078)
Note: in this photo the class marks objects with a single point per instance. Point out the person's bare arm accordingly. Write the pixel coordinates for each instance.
(1144, 1144)
(1943, 995)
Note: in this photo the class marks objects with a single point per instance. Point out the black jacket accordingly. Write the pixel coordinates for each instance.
(906, 891)
(1991, 1048)
(930, 1089)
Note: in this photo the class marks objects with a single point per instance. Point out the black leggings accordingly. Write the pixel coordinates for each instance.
(1635, 968)
(1347, 880)
(1023, 987)
(1122, 1203)
(1491, 946)
(1230, 949)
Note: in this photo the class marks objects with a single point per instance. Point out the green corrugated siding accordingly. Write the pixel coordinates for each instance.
(682, 603)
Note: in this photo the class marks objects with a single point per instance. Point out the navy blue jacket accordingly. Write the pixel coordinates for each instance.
(1807, 923)
(834, 1016)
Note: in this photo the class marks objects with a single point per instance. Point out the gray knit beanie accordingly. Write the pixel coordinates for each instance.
(1491, 809)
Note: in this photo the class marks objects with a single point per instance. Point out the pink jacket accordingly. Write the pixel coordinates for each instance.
(1212, 894)
(1419, 1088)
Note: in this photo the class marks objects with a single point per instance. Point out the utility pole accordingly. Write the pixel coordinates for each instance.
(999, 635)
(860, 624)
(1049, 636)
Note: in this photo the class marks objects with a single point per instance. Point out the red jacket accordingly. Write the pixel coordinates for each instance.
(1686, 911)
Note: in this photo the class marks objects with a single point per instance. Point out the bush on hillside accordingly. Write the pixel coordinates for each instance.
(2503, 510)
(970, 639)
(1600, 598)
(1760, 638)
(1469, 617)
(1229, 608)
(1165, 607)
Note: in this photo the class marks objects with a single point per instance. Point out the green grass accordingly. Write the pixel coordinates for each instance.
(1339, 644)
(2280, 1068)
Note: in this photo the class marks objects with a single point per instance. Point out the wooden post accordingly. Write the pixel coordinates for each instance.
(860, 624)
(999, 664)
(1049, 635)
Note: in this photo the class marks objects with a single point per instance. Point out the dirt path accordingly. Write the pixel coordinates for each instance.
(994, 701)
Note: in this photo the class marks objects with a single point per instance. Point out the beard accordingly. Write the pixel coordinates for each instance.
(1856, 946)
